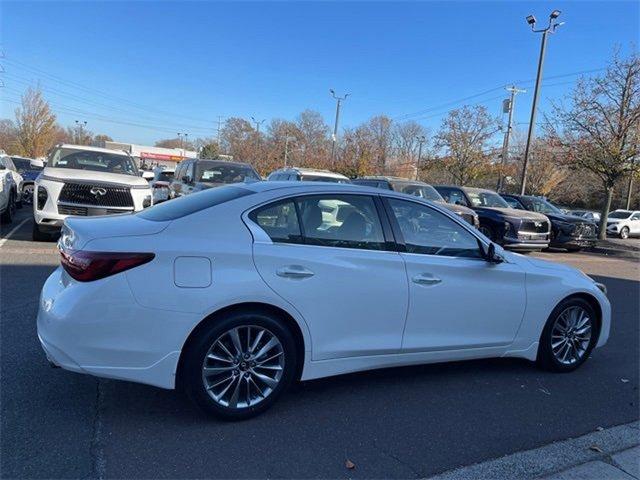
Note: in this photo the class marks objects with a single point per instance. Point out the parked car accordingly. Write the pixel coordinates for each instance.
(587, 214)
(29, 169)
(567, 231)
(8, 195)
(160, 182)
(624, 223)
(514, 229)
(147, 174)
(86, 181)
(298, 174)
(10, 167)
(194, 175)
(419, 189)
(234, 292)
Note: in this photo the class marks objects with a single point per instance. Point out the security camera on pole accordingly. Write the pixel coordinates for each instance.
(551, 28)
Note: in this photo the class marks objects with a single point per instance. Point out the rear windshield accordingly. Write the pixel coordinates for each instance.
(423, 191)
(621, 214)
(224, 173)
(320, 178)
(24, 164)
(183, 206)
(165, 176)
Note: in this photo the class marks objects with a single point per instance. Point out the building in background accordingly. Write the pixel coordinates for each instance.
(147, 157)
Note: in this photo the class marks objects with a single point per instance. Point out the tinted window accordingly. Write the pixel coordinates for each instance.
(513, 203)
(428, 231)
(183, 206)
(636, 216)
(542, 206)
(165, 176)
(279, 221)
(349, 221)
(423, 191)
(622, 214)
(452, 195)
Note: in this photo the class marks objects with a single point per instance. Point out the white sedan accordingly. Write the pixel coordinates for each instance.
(237, 291)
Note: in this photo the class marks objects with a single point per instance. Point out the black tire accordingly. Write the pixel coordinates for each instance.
(487, 232)
(573, 249)
(624, 233)
(10, 211)
(38, 235)
(27, 194)
(546, 358)
(191, 375)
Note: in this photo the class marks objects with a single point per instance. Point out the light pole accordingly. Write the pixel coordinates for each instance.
(421, 140)
(630, 187)
(80, 125)
(334, 137)
(183, 140)
(551, 28)
(505, 145)
(258, 123)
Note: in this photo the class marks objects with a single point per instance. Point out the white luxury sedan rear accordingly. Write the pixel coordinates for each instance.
(235, 292)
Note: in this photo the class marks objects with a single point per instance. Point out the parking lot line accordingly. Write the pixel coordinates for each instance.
(14, 230)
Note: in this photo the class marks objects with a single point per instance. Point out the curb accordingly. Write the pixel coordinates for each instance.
(609, 453)
(614, 252)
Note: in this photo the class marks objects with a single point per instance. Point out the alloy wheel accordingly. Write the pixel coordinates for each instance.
(27, 194)
(243, 366)
(571, 335)
(624, 233)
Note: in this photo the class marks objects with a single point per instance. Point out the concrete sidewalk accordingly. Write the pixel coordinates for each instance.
(612, 453)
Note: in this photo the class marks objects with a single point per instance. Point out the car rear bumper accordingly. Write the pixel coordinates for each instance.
(97, 328)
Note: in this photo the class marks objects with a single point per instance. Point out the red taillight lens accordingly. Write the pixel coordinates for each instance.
(87, 266)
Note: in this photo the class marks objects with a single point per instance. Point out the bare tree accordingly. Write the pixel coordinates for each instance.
(601, 127)
(100, 140)
(175, 143)
(35, 124)
(464, 137)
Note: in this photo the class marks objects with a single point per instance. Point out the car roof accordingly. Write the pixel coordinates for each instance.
(391, 179)
(92, 149)
(312, 187)
(326, 173)
(217, 161)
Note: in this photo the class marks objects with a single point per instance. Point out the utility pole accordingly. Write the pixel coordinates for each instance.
(219, 127)
(421, 140)
(630, 187)
(80, 125)
(507, 135)
(334, 137)
(551, 28)
(286, 148)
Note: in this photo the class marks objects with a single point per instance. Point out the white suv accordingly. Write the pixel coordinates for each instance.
(86, 181)
(624, 223)
(7, 162)
(8, 195)
(298, 174)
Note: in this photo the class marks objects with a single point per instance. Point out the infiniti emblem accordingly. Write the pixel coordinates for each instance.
(98, 191)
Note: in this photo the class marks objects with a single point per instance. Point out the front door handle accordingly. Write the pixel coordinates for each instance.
(426, 279)
(294, 271)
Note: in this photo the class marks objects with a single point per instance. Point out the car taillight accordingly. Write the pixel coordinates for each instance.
(86, 266)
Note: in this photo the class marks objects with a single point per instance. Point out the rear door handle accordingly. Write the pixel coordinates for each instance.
(294, 271)
(426, 279)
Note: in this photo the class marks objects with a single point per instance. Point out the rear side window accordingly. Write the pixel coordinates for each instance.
(279, 221)
(513, 203)
(183, 206)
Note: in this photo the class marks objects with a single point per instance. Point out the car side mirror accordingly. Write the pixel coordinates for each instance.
(488, 252)
(459, 202)
(186, 179)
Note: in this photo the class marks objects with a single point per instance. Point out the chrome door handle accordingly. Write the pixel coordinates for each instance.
(426, 279)
(294, 271)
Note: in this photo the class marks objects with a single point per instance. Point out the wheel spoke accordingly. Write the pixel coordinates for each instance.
(219, 396)
(213, 356)
(270, 367)
(267, 380)
(225, 349)
(233, 401)
(226, 379)
(215, 370)
(256, 341)
(235, 338)
(269, 359)
(267, 346)
(256, 387)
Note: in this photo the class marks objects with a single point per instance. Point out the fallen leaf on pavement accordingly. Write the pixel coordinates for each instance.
(349, 464)
(624, 380)
(545, 391)
(599, 429)
(596, 448)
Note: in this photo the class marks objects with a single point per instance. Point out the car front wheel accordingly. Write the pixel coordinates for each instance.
(239, 365)
(568, 336)
(624, 233)
(10, 212)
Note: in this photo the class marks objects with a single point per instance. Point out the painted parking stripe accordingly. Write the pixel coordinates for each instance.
(14, 230)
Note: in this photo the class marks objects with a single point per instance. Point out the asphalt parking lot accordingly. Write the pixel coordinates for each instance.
(394, 423)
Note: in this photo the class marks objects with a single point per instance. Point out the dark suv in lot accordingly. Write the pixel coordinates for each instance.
(567, 231)
(419, 189)
(513, 229)
(195, 174)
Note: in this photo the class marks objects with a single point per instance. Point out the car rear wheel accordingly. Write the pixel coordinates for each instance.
(10, 212)
(624, 233)
(569, 336)
(239, 365)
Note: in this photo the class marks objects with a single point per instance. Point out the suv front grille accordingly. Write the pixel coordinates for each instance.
(535, 227)
(585, 230)
(102, 196)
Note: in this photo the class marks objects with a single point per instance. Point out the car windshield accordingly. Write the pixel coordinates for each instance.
(620, 214)
(321, 178)
(542, 206)
(224, 173)
(93, 160)
(423, 191)
(486, 199)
